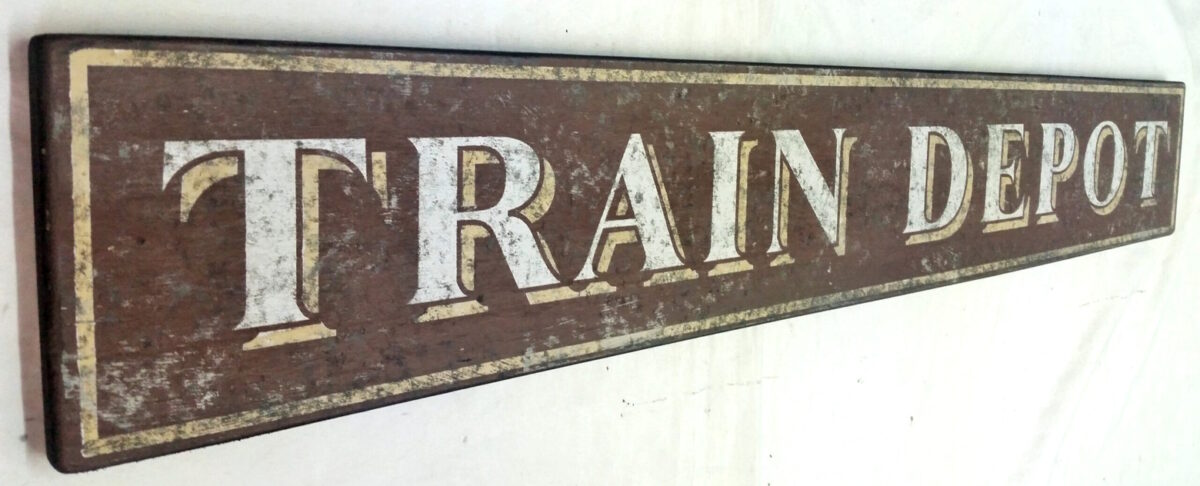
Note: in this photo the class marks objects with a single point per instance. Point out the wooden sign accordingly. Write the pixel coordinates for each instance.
(240, 237)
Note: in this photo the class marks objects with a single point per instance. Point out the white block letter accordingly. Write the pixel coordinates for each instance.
(1058, 164)
(639, 175)
(828, 201)
(270, 172)
(920, 191)
(1106, 204)
(439, 216)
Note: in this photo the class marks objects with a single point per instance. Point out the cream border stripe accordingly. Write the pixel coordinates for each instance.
(81, 60)
(81, 204)
(272, 62)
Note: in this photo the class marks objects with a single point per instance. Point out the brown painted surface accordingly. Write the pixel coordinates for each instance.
(170, 372)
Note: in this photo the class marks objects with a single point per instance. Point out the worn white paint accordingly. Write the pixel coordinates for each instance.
(825, 198)
(1057, 138)
(724, 225)
(922, 157)
(1112, 195)
(641, 181)
(439, 217)
(1000, 172)
(1149, 131)
(270, 169)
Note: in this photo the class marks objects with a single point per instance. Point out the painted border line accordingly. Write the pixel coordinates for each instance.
(85, 327)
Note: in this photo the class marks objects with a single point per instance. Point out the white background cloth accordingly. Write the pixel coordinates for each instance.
(1079, 372)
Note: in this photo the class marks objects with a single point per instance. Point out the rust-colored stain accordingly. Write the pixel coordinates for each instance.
(239, 237)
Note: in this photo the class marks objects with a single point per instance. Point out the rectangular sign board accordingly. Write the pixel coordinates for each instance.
(240, 237)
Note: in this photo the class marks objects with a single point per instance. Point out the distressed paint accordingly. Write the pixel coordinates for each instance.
(469, 217)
